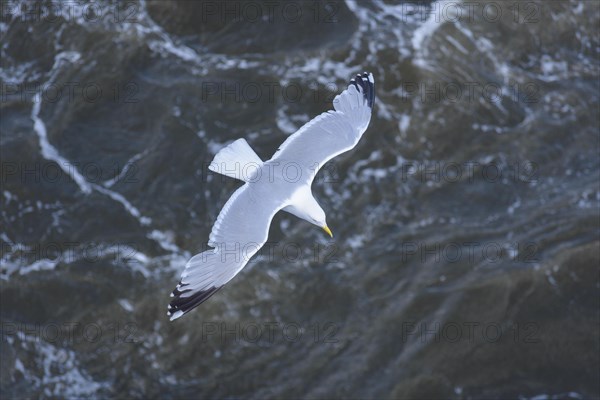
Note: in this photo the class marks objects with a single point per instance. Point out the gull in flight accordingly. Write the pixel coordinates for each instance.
(281, 183)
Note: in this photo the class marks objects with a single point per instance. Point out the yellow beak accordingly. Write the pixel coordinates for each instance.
(326, 229)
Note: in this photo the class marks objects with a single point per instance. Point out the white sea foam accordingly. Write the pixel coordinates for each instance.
(49, 152)
(53, 369)
(125, 169)
(126, 304)
(126, 204)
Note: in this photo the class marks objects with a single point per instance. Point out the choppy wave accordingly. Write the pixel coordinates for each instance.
(103, 201)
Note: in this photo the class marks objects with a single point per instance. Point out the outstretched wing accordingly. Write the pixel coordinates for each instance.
(241, 229)
(332, 132)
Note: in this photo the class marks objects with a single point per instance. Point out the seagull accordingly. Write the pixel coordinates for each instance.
(281, 183)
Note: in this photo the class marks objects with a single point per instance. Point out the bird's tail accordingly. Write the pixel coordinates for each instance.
(237, 160)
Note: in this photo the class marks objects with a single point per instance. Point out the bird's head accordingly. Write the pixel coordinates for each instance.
(316, 216)
(304, 205)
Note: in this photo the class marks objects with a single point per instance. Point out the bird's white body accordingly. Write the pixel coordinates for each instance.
(281, 183)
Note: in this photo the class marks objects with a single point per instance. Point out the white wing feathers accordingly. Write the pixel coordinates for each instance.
(332, 132)
(241, 229)
(357, 101)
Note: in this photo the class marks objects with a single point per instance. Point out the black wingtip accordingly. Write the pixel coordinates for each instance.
(180, 289)
(182, 305)
(366, 83)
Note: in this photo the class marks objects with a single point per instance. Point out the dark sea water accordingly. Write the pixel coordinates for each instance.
(466, 221)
